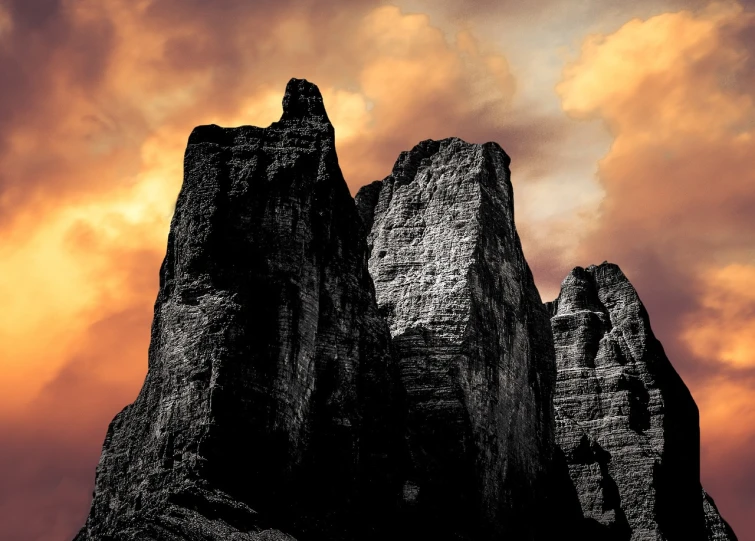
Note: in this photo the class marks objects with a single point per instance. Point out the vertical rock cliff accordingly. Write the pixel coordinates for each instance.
(626, 422)
(473, 341)
(268, 404)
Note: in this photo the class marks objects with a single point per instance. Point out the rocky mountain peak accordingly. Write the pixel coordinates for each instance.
(626, 421)
(579, 292)
(328, 368)
(268, 406)
(472, 341)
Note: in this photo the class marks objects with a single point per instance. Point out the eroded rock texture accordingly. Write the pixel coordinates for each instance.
(625, 420)
(473, 341)
(267, 405)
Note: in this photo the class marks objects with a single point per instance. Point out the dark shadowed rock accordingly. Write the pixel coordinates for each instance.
(627, 424)
(366, 201)
(474, 345)
(267, 404)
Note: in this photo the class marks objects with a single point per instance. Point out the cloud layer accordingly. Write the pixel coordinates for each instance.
(98, 98)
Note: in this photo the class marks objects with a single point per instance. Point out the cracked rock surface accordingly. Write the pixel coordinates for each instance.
(267, 405)
(473, 341)
(626, 422)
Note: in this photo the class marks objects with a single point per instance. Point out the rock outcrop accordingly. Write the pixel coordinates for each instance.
(324, 368)
(626, 422)
(268, 404)
(473, 343)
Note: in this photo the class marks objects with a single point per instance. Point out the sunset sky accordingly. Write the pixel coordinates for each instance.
(631, 128)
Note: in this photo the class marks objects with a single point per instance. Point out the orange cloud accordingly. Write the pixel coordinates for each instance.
(659, 85)
(721, 401)
(723, 329)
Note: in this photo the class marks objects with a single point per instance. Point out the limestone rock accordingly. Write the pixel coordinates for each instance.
(268, 403)
(473, 341)
(627, 423)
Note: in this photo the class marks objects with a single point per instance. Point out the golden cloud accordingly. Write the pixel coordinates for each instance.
(679, 156)
(723, 328)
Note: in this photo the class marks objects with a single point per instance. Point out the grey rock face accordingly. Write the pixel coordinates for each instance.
(268, 401)
(626, 422)
(473, 341)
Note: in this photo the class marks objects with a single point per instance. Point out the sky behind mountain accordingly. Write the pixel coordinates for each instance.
(631, 128)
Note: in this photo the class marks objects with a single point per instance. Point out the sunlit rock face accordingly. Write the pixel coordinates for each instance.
(473, 341)
(626, 422)
(267, 406)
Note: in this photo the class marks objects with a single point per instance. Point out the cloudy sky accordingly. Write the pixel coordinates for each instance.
(631, 127)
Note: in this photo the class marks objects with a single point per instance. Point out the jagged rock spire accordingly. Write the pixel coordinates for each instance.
(625, 420)
(289, 395)
(303, 102)
(268, 404)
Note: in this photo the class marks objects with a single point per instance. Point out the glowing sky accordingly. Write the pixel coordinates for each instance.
(631, 130)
